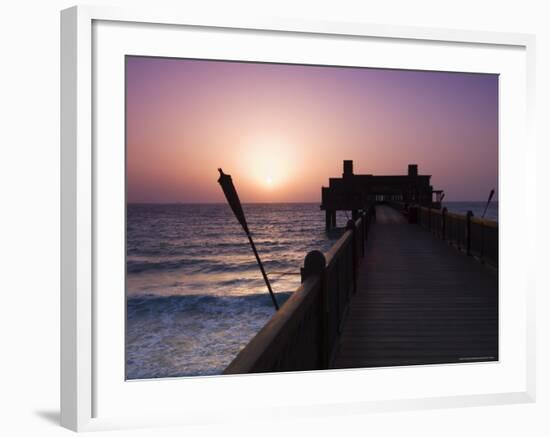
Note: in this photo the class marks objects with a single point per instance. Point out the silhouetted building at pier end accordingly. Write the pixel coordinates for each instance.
(354, 192)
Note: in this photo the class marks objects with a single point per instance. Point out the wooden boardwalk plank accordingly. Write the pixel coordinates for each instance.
(418, 301)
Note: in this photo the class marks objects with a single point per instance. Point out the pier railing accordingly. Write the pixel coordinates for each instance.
(304, 333)
(475, 236)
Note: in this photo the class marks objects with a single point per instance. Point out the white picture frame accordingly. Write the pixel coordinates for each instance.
(80, 341)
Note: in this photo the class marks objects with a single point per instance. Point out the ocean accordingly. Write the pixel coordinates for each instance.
(476, 207)
(195, 295)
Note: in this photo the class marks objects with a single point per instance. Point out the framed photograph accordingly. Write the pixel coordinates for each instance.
(329, 213)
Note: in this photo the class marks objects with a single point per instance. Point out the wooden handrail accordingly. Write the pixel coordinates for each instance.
(256, 353)
(336, 248)
(302, 334)
(475, 236)
(485, 222)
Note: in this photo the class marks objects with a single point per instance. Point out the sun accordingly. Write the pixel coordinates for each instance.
(269, 163)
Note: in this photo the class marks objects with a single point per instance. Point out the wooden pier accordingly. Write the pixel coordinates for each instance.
(405, 284)
(354, 192)
(418, 301)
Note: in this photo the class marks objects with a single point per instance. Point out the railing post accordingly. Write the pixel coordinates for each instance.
(315, 264)
(429, 218)
(469, 215)
(482, 243)
(369, 221)
(351, 226)
(443, 223)
(364, 223)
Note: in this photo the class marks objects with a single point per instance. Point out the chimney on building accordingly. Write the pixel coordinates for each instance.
(413, 170)
(348, 168)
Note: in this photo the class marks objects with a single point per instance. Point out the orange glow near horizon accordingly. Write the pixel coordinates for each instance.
(282, 130)
(268, 166)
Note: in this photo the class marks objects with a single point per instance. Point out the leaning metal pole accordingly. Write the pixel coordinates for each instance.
(491, 194)
(233, 200)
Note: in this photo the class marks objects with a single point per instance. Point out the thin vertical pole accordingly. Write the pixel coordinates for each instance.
(263, 271)
(491, 194)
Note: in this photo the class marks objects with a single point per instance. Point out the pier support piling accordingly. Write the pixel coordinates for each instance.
(330, 219)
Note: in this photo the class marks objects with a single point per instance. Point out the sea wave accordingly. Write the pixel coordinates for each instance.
(189, 335)
(202, 265)
(201, 302)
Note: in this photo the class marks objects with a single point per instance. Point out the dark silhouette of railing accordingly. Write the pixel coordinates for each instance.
(475, 236)
(304, 333)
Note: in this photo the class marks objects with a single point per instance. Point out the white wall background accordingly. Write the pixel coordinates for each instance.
(29, 214)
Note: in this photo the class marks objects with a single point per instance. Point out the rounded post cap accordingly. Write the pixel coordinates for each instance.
(315, 262)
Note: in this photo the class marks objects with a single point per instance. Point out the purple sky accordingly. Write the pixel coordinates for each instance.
(282, 130)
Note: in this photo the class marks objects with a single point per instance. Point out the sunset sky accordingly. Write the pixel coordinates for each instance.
(282, 130)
